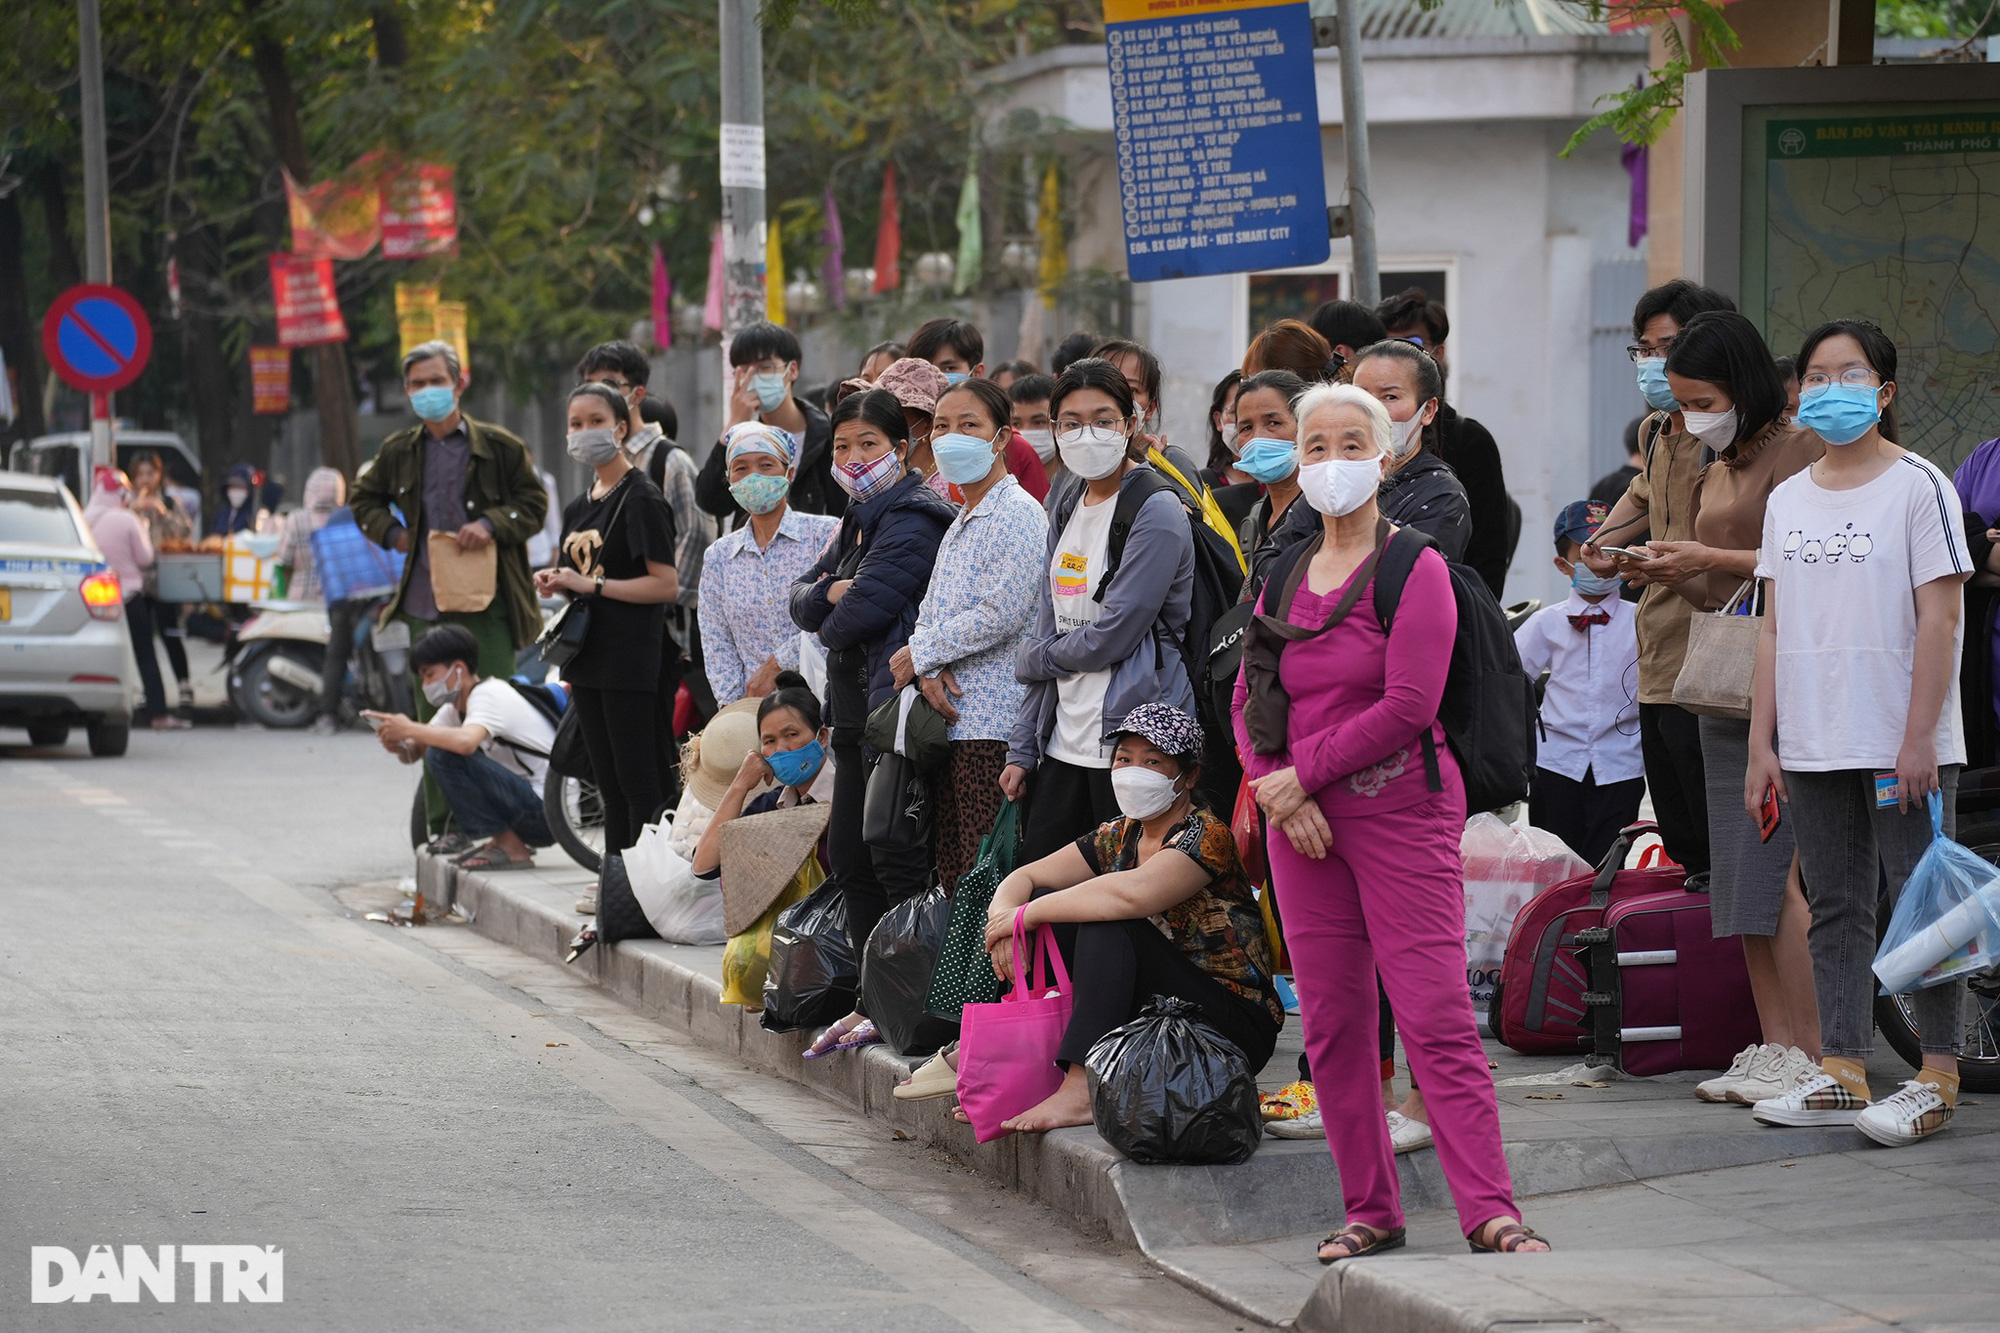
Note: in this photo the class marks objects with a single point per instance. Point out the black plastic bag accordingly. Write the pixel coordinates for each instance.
(1167, 1087)
(896, 973)
(619, 916)
(813, 974)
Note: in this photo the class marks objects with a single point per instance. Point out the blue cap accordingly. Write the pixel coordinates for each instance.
(1578, 519)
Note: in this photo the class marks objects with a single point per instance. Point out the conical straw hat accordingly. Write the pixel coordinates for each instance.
(760, 854)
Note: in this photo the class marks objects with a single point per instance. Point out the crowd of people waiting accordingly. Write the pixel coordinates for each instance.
(1031, 556)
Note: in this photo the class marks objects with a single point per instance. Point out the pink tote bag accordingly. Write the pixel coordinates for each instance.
(1007, 1050)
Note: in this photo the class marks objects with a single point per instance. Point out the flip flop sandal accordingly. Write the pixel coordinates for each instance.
(1507, 1240)
(934, 1078)
(1371, 1241)
(490, 857)
(831, 1040)
(861, 1034)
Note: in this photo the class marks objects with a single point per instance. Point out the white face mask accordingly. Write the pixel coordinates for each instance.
(1409, 435)
(237, 497)
(1228, 432)
(1340, 486)
(1092, 452)
(1141, 792)
(1043, 441)
(1717, 430)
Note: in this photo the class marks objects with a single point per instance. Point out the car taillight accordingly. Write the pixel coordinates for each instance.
(103, 596)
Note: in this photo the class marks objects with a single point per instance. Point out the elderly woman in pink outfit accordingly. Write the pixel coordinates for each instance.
(121, 536)
(1336, 720)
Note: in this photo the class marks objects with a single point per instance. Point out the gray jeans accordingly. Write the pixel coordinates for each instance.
(1847, 847)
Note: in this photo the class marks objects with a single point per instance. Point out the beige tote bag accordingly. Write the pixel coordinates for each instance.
(462, 580)
(1721, 660)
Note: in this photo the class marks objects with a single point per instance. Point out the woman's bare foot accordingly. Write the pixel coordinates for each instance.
(1413, 1107)
(1507, 1235)
(1067, 1105)
(834, 1035)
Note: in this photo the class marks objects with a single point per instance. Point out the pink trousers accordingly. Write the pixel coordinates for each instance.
(1390, 896)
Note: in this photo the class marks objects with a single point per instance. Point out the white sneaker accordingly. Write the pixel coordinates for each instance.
(1307, 1126)
(1408, 1135)
(1820, 1099)
(1750, 1057)
(1913, 1112)
(1774, 1079)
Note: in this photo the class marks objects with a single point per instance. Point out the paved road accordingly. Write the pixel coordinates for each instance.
(205, 1045)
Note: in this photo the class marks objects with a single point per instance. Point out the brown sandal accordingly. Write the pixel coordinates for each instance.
(1507, 1240)
(1361, 1240)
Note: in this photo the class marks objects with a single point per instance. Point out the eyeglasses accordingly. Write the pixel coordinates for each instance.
(1101, 421)
(616, 386)
(1859, 377)
(1640, 352)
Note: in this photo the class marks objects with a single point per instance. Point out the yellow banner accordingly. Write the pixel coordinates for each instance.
(451, 327)
(1126, 11)
(416, 313)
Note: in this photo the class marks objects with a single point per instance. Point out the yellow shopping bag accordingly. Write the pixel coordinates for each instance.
(748, 954)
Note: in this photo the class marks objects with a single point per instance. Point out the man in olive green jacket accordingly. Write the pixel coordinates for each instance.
(466, 478)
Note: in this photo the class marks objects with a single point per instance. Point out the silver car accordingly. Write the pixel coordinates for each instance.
(65, 654)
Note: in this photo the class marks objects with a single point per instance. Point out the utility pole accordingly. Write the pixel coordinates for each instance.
(1354, 133)
(742, 157)
(96, 200)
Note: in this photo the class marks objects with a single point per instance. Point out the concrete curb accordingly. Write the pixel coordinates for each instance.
(1182, 1218)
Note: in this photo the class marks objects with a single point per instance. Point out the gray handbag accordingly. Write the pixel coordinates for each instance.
(1721, 658)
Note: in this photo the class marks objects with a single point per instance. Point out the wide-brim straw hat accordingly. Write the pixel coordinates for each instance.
(761, 854)
(710, 761)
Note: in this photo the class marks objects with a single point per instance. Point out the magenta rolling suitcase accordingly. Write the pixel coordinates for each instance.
(1666, 995)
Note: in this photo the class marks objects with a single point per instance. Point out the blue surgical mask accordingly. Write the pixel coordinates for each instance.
(1268, 459)
(1653, 384)
(956, 376)
(1841, 413)
(962, 459)
(795, 768)
(433, 402)
(769, 386)
(1588, 584)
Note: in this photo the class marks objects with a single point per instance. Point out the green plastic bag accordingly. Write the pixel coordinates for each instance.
(964, 974)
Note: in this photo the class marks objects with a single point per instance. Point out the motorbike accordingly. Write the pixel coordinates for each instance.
(274, 661)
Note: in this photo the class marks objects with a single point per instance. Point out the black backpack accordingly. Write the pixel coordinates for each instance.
(548, 700)
(1488, 709)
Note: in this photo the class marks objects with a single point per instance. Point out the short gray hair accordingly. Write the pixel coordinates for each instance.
(1322, 396)
(436, 347)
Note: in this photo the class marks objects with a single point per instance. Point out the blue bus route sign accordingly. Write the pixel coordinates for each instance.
(1217, 119)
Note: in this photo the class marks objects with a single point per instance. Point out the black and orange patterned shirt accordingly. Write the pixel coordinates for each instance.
(1219, 928)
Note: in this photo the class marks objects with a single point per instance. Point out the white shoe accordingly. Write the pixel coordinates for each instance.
(1913, 1112)
(1750, 1057)
(1820, 1099)
(1307, 1126)
(1408, 1135)
(1775, 1078)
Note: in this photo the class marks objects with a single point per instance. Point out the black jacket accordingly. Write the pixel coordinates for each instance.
(1424, 495)
(1469, 448)
(814, 491)
(887, 546)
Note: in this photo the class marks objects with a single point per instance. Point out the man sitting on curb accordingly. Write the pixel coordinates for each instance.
(487, 748)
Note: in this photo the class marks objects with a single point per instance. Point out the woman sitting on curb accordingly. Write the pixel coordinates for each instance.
(791, 749)
(1154, 903)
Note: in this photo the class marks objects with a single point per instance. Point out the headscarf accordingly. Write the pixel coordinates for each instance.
(228, 520)
(110, 489)
(756, 437)
(326, 491)
(915, 382)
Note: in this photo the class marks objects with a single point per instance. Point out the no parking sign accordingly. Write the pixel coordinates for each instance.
(96, 338)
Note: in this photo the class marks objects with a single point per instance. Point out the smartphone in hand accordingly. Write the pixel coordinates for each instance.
(1628, 552)
(373, 718)
(1768, 816)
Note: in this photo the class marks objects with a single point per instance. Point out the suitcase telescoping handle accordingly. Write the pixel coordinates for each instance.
(1601, 1001)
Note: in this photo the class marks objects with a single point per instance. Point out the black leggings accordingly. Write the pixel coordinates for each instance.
(624, 758)
(1065, 802)
(872, 879)
(1116, 966)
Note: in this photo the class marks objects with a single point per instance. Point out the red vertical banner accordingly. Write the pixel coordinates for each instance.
(419, 212)
(308, 309)
(271, 379)
(889, 237)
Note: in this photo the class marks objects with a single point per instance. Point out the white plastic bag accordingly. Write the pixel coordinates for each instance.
(1947, 920)
(1506, 865)
(682, 907)
(812, 662)
(688, 822)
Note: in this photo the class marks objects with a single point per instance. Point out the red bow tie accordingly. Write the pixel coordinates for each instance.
(1597, 617)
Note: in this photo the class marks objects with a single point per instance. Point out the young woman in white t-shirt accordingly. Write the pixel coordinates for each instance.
(1864, 559)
